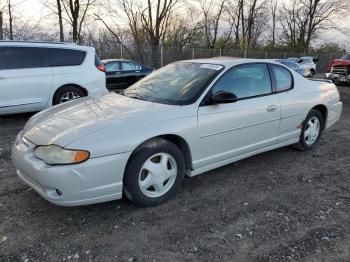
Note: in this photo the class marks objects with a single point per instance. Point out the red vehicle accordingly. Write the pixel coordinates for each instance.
(338, 70)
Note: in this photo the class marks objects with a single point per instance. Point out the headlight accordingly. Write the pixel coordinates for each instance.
(56, 155)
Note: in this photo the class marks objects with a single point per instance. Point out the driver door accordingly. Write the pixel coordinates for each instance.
(227, 131)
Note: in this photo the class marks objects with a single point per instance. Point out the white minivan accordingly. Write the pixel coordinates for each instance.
(37, 75)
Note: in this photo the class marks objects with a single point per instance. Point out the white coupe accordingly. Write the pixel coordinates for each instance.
(183, 119)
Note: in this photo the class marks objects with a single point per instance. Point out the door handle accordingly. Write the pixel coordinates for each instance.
(271, 108)
(1, 77)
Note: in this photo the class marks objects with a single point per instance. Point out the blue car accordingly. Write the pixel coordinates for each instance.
(293, 65)
(121, 73)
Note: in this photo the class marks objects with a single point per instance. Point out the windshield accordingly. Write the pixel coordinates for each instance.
(177, 84)
(345, 57)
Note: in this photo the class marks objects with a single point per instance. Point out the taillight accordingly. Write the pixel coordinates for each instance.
(101, 68)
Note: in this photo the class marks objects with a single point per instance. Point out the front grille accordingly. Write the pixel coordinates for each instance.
(341, 70)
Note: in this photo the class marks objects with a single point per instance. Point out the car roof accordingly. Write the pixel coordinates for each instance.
(66, 45)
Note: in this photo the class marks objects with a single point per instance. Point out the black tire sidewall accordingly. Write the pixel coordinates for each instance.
(131, 176)
(302, 143)
(62, 90)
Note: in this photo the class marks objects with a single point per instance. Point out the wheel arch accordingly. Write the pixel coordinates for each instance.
(84, 90)
(324, 111)
(179, 141)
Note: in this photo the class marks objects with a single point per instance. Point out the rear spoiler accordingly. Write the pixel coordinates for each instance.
(321, 80)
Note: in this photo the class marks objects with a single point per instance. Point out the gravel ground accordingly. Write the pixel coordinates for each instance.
(283, 205)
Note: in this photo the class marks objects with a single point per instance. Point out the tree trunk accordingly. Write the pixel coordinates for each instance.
(10, 19)
(1, 25)
(60, 21)
(75, 8)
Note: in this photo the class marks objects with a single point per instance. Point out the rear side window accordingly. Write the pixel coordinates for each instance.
(130, 66)
(112, 67)
(63, 57)
(284, 79)
(20, 57)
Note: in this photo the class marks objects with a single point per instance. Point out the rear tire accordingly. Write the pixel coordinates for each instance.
(311, 131)
(154, 173)
(67, 93)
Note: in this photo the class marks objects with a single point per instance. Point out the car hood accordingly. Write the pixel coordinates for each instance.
(66, 123)
(339, 62)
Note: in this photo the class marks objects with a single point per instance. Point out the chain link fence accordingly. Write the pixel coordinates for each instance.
(159, 56)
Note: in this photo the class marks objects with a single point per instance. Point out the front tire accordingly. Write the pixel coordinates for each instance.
(311, 131)
(154, 173)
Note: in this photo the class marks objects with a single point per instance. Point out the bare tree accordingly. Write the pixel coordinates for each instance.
(234, 11)
(273, 5)
(1, 24)
(55, 7)
(184, 31)
(10, 16)
(212, 11)
(75, 12)
(248, 19)
(303, 19)
(60, 19)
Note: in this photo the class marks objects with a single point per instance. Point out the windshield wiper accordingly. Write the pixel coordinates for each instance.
(134, 95)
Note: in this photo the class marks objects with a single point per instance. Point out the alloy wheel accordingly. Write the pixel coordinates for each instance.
(69, 96)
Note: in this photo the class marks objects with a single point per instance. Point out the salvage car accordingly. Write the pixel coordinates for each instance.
(121, 73)
(338, 70)
(186, 118)
(308, 63)
(295, 66)
(37, 75)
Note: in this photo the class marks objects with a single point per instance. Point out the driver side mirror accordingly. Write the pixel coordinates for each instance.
(223, 97)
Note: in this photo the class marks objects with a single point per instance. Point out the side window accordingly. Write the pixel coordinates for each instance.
(20, 57)
(130, 66)
(245, 81)
(284, 79)
(63, 57)
(112, 67)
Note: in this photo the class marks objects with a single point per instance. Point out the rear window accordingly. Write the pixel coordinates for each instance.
(20, 57)
(345, 57)
(63, 57)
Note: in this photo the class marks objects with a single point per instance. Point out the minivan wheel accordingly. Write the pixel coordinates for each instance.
(311, 131)
(154, 173)
(67, 93)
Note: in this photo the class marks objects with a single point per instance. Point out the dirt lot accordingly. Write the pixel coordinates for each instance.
(282, 205)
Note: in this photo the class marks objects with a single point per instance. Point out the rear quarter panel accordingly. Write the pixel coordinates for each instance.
(85, 75)
(297, 103)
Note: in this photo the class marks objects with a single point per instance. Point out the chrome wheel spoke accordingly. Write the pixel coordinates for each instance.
(69, 96)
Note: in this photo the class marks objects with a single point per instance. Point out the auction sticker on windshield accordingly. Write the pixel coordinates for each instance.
(211, 66)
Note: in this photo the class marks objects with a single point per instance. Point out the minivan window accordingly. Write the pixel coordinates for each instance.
(35, 57)
(20, 58)
(63, 57)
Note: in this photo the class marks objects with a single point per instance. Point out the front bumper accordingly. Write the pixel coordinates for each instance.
(93, 181)
(337, 78)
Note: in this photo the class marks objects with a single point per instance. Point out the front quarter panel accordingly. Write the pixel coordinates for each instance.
(181, 121)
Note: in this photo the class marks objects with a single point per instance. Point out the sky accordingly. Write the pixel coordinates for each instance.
(33, 11)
